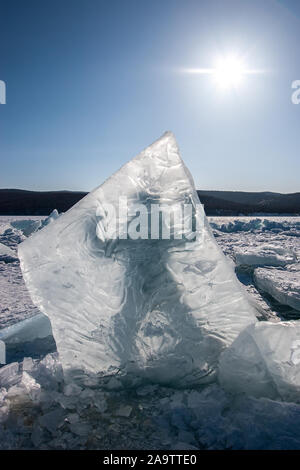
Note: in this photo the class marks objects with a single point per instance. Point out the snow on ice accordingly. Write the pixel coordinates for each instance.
(246, 224)
(284, 286)
(28, 226)
(7, 254)
(264, 255)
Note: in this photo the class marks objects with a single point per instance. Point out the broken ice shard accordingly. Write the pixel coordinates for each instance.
(160, 308)
(264, 360)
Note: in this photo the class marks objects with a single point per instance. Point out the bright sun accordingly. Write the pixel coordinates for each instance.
(229, 72)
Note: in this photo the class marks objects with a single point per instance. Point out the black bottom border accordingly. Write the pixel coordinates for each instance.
(141, 458)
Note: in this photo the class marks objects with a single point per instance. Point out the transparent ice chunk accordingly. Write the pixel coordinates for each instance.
(163, 308)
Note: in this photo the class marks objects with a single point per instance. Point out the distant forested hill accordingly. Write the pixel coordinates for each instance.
(239, 202)
(21, 202)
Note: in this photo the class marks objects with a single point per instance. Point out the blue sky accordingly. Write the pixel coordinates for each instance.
(90, 83)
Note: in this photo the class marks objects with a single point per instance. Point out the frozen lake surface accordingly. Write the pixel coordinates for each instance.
(38, 411)
(263, 242)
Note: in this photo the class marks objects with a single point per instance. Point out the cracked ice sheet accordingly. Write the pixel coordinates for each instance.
(38, 412)
(283, 285)
(15, 301)
(264, 255)
(164, 309)
(252, 239)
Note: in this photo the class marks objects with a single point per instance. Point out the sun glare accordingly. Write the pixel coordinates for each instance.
(229, 72)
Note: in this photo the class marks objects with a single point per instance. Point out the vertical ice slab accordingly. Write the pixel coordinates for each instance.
(162, 308)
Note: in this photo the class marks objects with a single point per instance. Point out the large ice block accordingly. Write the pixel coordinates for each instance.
(160, 308)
